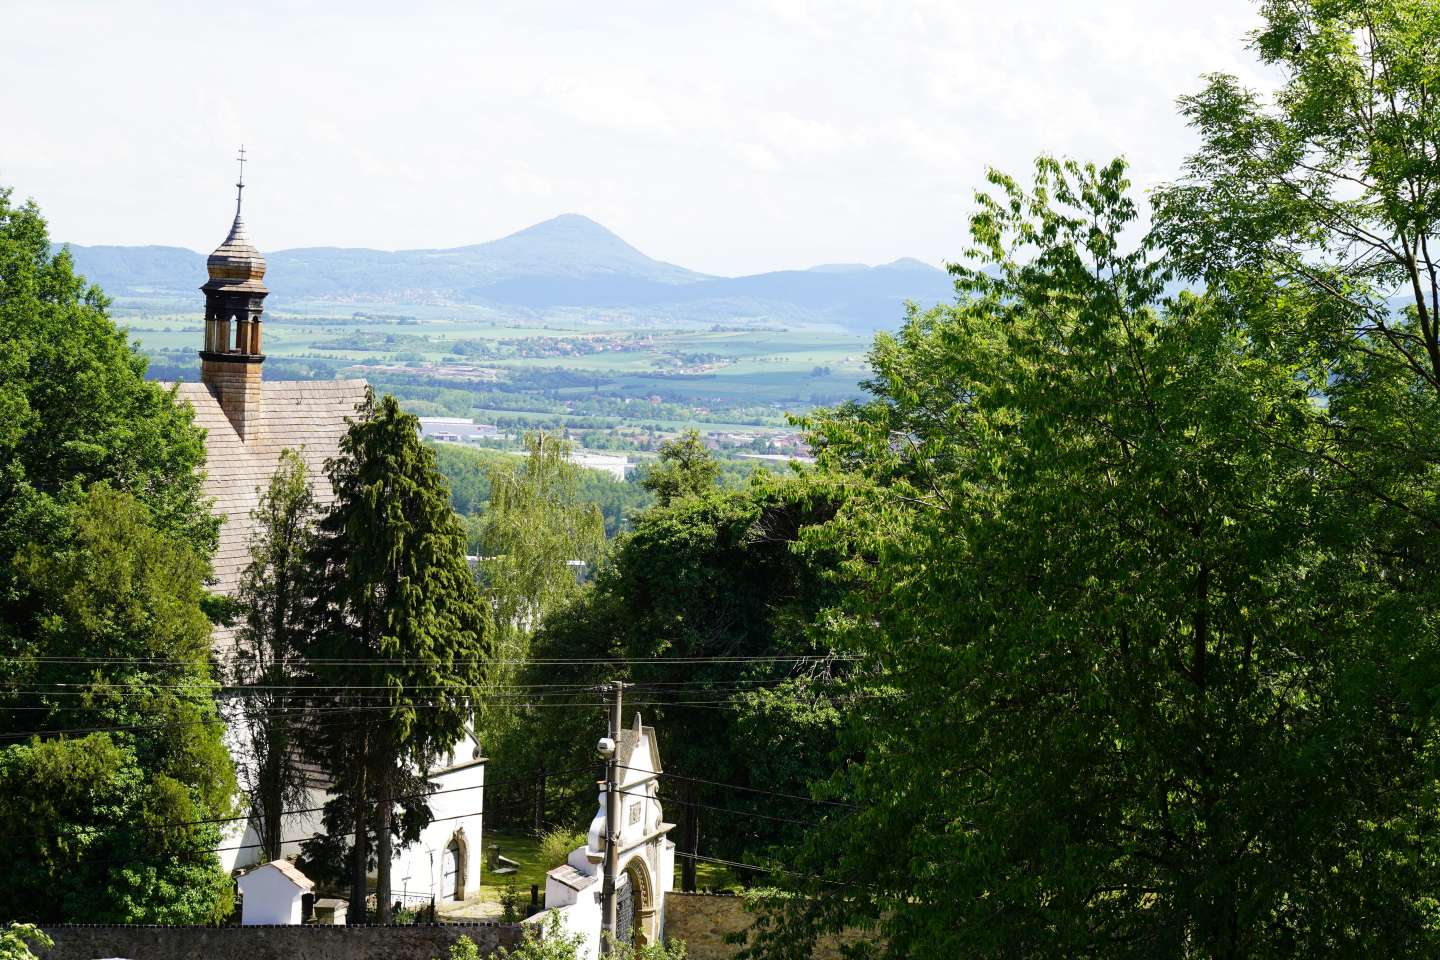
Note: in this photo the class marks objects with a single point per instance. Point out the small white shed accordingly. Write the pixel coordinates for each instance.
(273, 894)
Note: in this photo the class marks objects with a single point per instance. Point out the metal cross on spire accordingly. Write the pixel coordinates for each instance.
(240, 184)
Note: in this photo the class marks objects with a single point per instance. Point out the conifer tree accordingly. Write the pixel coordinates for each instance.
(275, 594)
(399, 627)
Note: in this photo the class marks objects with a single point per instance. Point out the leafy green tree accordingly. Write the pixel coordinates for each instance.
(15, 943)
(534, 532)
(75, 409)
(399, 628)
(1330, 185)
(724, 575)
(104, 549)
(117, 825)
(1131, 686)
(685, 468)
(1314, 210)
(275, 595)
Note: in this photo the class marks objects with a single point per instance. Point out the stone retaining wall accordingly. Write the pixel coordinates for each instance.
(420, 942)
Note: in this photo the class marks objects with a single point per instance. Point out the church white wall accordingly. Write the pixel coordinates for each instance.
(418, 869)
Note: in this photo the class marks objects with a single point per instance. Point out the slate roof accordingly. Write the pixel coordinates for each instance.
(306, 416)
(571, 877)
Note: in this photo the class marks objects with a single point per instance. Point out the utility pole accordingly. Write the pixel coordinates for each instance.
(609, 912)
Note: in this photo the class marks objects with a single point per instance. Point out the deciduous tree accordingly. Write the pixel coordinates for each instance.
(1132, 687)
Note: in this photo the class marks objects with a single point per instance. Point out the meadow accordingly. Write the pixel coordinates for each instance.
(587, 371)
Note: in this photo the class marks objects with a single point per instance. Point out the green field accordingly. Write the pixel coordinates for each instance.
(582, 372)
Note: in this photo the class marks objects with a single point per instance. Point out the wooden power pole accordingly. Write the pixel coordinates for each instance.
(609, 914)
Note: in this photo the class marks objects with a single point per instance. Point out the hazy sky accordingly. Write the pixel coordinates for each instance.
(732, 137)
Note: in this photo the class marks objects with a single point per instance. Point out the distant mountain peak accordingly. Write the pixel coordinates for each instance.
(569, 228)
(910, 263)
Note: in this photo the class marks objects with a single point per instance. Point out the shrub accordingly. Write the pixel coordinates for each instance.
(556, 844)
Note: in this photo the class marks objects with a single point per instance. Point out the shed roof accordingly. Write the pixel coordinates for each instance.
(571, 877)
(287, 870)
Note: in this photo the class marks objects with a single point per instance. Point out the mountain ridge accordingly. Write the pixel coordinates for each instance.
(568, 261)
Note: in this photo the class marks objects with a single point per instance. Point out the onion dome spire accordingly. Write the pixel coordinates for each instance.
(236, 264)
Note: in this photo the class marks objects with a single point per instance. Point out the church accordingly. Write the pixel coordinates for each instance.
(248, 421)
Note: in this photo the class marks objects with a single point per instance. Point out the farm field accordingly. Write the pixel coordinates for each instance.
(576, 373)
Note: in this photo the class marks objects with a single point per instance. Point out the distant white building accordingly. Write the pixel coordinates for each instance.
(456, 430)
(646, 856)
(617, 465)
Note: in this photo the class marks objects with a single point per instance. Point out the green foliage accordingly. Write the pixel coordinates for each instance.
(1329, 185)
(670, 950)
(1128, 658)
(549, 942)
(97, 824)
(104, 547)
(468, 471)
(533, 528)
(510, 907)
(16, 941)
(397, 612)
(75, 408)
(275, 594)
(685, 469)
(556, 845)
(464, 949)
(724, 574)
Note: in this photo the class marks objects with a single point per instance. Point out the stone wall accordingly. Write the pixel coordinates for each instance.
(420, 942)
(703, 919)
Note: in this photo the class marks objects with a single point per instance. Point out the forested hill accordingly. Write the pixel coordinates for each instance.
(567, 262)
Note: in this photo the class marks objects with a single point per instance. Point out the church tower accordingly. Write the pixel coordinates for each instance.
(234, 297)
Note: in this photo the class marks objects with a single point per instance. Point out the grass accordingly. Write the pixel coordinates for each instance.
(525, 848)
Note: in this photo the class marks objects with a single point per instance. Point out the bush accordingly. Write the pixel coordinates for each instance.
(15, 943)
(510, 903)
(556, 844)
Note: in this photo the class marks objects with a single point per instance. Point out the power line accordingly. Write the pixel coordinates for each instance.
(530, 661)
(722, 704)
(296, 811)
(737, 813)
(736, 786)
(757, 867)
(294, 840)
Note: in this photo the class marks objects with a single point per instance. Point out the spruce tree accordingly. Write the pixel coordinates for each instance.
(399, 632)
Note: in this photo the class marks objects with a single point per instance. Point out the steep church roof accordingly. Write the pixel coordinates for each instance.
(305, 416)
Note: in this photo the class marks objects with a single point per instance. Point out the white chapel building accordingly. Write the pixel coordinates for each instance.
(248, 421)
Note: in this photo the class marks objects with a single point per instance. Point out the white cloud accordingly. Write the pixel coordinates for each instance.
(727, 137)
